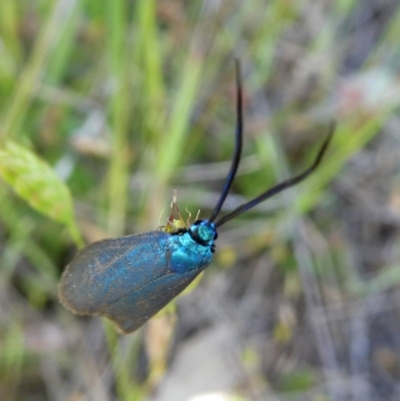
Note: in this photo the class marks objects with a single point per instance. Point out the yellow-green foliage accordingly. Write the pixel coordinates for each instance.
(38, 184)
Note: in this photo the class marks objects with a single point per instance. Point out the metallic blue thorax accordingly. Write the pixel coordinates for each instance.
(131, 278)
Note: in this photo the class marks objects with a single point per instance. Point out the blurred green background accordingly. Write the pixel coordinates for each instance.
(106, 107)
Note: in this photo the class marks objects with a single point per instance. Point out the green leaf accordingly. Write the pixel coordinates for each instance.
(36, 182)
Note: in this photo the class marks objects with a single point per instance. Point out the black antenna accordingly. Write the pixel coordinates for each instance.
(281, 186)
(238, 147)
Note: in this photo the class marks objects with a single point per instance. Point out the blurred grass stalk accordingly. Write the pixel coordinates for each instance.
(27, 81)
(119, 60)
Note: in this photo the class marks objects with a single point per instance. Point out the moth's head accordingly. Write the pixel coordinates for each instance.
(203, 232)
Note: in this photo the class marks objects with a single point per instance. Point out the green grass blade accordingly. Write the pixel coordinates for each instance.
(35, 182)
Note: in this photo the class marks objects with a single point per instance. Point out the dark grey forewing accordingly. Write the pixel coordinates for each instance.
(133, 310)
(108, 270)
